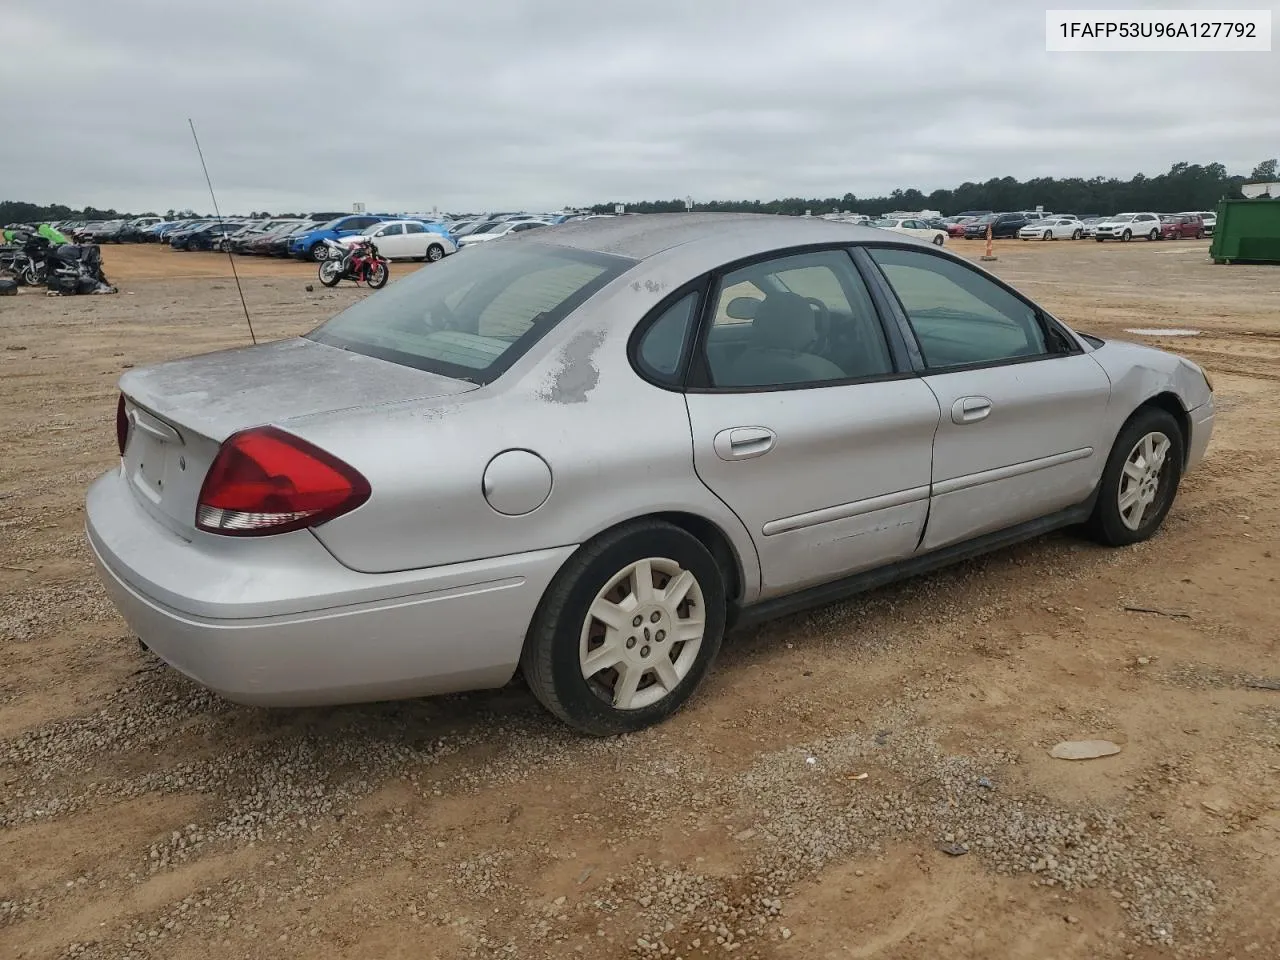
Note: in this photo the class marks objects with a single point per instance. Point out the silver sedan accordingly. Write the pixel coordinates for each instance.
(586, 452)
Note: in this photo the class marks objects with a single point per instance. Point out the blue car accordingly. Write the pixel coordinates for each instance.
(309, 245)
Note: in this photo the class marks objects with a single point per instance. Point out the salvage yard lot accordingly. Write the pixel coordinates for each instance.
(795, 809)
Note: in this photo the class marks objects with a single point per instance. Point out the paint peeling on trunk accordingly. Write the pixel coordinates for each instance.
(576, 374)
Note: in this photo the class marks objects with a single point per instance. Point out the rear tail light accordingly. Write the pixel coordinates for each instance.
(122, 426)
(265, 481)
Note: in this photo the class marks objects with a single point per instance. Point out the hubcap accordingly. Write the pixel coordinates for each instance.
(1140, 484)
(642, 633)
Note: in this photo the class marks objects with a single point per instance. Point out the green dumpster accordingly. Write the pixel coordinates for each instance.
(1248, 231)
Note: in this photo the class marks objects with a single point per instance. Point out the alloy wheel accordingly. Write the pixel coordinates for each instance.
(1142, 479)
(642, 633)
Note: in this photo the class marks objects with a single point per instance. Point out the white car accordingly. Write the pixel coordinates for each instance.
(501, 229)
(915, 228)
(405, 240)
(1126, 226)
(1053, 228)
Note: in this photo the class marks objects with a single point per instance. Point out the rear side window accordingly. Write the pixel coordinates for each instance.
(662, 346)
(472, 317)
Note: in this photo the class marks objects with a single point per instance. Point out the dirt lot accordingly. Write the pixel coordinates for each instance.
(794, 810)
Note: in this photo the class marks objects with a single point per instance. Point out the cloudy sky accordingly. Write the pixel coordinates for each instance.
(493, 104)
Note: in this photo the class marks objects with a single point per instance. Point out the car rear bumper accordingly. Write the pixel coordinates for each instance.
(277, 621)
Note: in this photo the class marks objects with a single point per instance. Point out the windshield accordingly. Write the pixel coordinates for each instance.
(328, 224)
(472, 317)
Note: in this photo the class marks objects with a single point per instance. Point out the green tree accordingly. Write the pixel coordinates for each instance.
(1265, 171)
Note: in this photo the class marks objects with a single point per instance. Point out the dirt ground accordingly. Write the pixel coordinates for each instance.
(796, 809)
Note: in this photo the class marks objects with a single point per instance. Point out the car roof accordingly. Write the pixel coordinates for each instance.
(642, 236)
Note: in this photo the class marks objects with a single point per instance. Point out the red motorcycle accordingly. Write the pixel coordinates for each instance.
(358, 260)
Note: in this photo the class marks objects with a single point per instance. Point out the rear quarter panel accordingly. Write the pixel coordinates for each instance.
(618, 448)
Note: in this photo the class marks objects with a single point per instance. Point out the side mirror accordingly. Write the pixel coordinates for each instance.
(742, 308)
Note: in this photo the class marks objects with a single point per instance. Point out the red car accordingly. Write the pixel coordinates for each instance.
(1181, 226)
(957, 229)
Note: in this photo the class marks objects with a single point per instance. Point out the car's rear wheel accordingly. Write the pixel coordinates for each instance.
(937, 239)
(1077, 235)
(1154, 234)
(1140, 480)
(627, 629)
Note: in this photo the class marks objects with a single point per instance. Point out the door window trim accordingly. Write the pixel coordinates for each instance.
(1049, 325)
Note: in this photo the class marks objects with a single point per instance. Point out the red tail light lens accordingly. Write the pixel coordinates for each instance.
(265, 481)
(122, 426)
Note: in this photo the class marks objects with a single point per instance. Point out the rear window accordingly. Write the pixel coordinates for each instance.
(474, 314)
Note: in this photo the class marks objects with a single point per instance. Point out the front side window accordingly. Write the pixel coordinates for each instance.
(959, 316)
(802, 319)
(471, 317)
(391, 230)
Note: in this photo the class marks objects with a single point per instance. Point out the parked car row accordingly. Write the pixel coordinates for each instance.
(1025, 225)
(397, 237)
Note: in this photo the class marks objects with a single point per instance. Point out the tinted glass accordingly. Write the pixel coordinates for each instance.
(471, 317)
(802, 319)
(662, 345)
(958, 315)
(414, 228)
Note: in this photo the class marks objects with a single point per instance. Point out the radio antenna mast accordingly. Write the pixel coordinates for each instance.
(218, 214)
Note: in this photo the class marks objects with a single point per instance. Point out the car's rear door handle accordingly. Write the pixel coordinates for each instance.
(970, 409)
(743, 443)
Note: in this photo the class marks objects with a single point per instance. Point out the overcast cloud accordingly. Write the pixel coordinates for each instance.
(497, 104)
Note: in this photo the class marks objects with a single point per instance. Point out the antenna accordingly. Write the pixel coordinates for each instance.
(218, 214)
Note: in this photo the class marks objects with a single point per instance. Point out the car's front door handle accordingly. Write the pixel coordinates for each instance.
(743, 443)
(970, 410)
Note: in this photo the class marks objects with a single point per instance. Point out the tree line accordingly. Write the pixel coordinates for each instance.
(1186, 186)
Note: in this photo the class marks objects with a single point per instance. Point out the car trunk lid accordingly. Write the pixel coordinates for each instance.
(179, 412)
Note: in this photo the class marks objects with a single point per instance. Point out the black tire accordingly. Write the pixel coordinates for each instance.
(330, 273)
(318, 251)
(1154, 234)
(1106, 524)
(550, 660)
(435, 253)
(1077, 235)
(378, 275)
(1048, 235)
(1100, 239)
(1126, 236)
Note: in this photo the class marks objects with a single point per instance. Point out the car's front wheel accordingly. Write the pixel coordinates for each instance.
(1140, 479)
(1126, 236)
(435, 253)
(318, 251)
(627, 629)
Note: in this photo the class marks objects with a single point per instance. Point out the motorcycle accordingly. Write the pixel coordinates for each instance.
(29, 263)
(358, 261)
